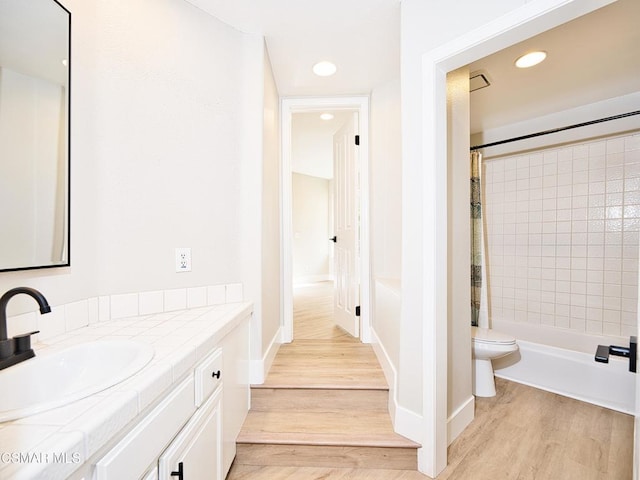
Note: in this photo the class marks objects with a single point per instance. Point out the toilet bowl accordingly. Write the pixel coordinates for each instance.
(488, 344)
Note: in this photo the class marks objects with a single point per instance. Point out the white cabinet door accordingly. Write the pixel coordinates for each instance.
(196, 453)
(235, 379)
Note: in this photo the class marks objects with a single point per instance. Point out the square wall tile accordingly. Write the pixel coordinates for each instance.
(151, 302)
(234, 293)
(569, 233)
(196, 297)
(52, 324)
(125, 305)
(93, 307)
(24, 323)
(104, 308)
(175, 299)
(216, 294)
(76, 315)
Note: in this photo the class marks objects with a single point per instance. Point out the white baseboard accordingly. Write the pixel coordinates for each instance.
(389, 372)
(260, 368)
(460, 419)
(409, 424)
(405, 422)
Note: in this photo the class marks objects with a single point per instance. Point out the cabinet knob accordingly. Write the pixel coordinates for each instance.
(179, 473)
(215, 374)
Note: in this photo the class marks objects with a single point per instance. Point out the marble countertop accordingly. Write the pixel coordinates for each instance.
(55, 443)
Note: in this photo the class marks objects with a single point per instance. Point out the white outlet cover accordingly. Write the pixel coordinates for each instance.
(183, 259)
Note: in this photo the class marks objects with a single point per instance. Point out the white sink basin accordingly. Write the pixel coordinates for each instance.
(51, 380)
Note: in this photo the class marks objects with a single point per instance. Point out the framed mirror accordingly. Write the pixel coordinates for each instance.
(35, 48)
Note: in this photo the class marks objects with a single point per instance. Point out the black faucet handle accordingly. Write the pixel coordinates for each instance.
(23, 341)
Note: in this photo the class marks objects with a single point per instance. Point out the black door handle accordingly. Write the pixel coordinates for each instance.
(179, 473)
(334, 239)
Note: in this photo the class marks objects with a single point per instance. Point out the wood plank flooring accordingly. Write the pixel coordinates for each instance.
(326, 364)
(523, 433)
(313, 314)
(323, 403)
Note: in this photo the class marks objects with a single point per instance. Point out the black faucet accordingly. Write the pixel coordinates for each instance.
(17, 349)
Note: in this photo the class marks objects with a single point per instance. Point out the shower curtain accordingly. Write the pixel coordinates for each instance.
(479, 299)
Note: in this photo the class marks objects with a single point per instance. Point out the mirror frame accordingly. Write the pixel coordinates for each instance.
(67, 262)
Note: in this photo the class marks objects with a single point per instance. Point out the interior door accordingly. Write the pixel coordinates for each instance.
(346, 224)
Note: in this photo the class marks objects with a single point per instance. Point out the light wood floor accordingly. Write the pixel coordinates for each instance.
(523, 433)
(313, 314)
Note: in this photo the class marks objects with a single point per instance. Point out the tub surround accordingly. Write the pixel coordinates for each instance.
(562, 228)
(69, 439)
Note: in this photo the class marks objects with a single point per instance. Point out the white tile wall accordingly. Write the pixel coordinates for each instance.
(72, 316)
(562, 236)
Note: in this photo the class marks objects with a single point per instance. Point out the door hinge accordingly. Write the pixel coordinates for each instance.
(358, 311)
(357, 139)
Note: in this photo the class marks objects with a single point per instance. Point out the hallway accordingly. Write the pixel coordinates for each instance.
(322, 411)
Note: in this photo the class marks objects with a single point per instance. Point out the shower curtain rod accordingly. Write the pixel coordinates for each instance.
(555, 130)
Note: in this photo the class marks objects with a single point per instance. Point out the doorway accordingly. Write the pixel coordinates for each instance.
(431, 208)
(292, 239)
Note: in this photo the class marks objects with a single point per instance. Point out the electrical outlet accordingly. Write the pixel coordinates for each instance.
(183, 259)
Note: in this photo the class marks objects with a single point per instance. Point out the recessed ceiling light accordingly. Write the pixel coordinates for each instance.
(324, 69)
(530, 59)
(326, 116)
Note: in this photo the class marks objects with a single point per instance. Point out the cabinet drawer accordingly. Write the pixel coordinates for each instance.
(208, 376)
(139, 448)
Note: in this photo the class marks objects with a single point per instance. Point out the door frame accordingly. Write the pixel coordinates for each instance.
(289, 106)
(431, 211)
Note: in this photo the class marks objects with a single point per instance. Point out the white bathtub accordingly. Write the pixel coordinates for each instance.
(572, 374)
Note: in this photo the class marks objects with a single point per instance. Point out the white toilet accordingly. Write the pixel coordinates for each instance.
(488, 344)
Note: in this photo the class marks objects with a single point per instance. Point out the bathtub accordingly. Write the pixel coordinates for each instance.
(572, 374)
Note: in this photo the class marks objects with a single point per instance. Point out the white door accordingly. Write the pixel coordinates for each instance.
(346, 227)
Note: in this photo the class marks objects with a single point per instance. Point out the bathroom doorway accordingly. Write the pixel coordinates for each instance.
(520, 24)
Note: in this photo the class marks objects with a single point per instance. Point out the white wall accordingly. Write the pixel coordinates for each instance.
(312, 143)
(385, 176)
(311, 229)
(460, 401)
(425, 26)
(270, 210)
(386, 181)
(161, 142)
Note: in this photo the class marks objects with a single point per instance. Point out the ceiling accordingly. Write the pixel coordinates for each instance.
(34, 38)
(590, 59)
(362, 37)
(312, 142)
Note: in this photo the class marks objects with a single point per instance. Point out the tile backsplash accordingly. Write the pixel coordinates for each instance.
(562, 228)
(69, 317)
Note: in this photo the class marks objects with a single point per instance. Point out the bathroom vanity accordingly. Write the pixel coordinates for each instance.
(177, 418)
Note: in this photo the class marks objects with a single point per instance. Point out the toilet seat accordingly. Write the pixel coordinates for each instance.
(489, 337)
